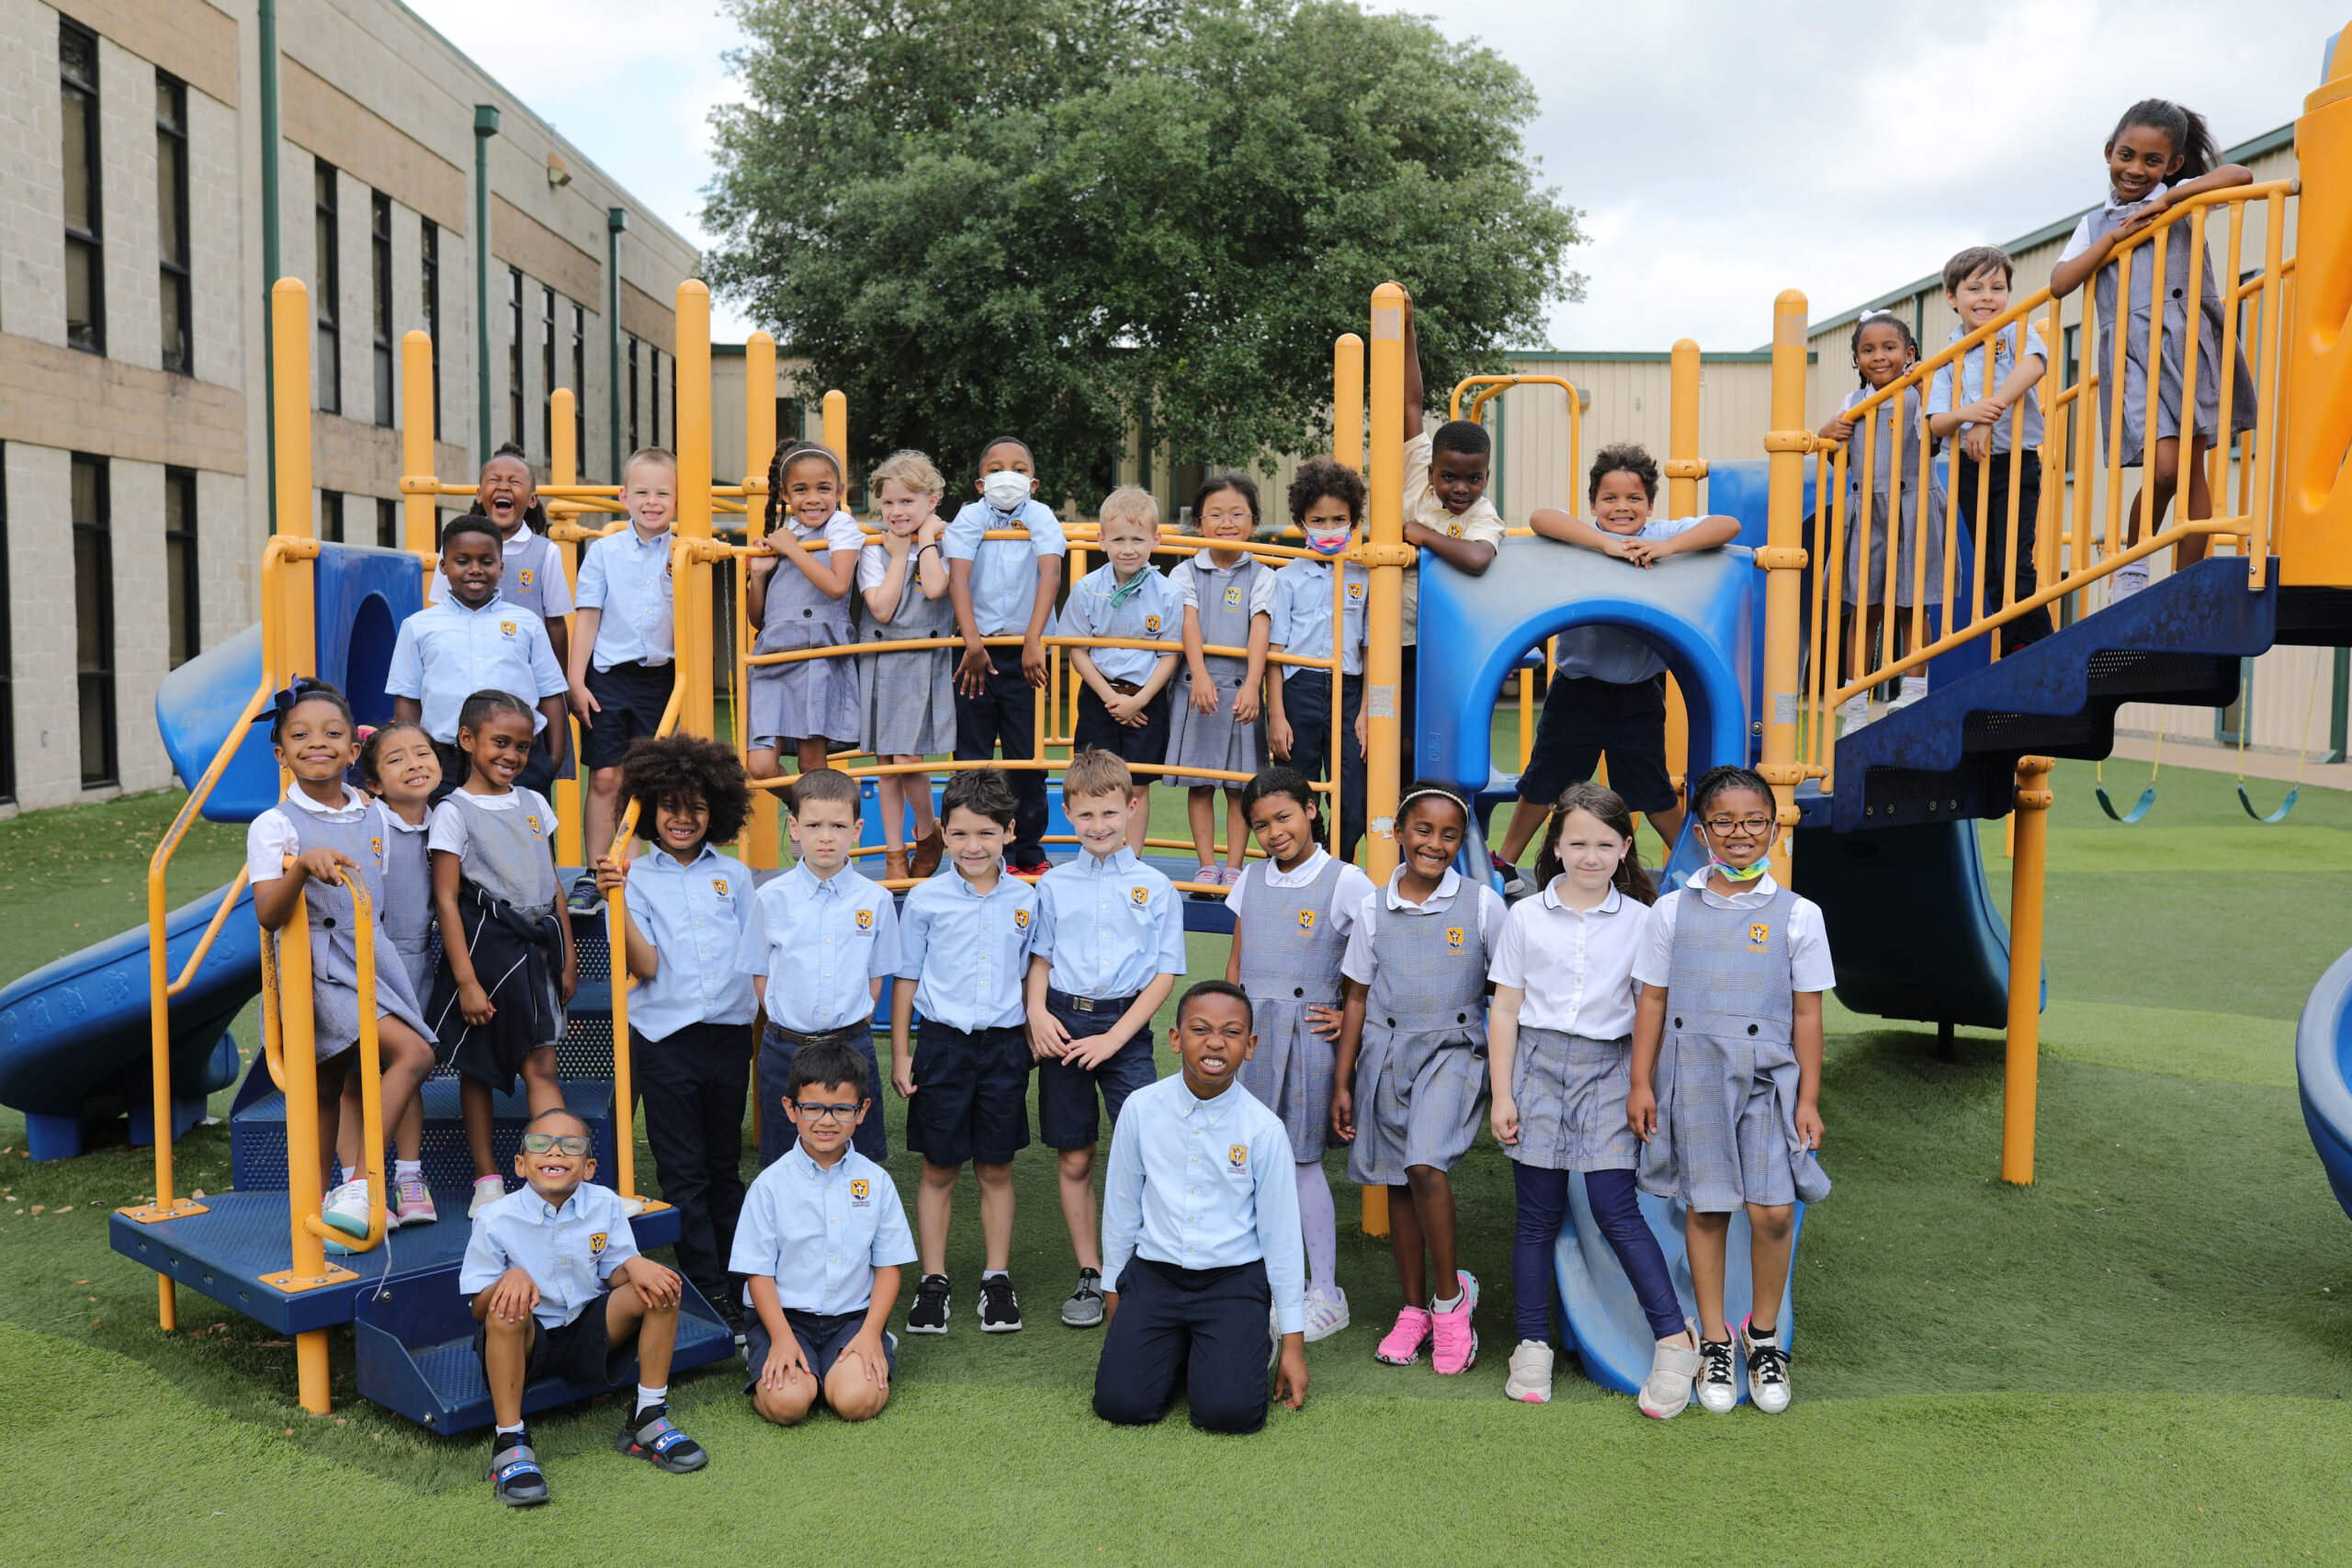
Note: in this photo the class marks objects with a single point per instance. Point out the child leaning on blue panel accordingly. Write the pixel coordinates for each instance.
(2158, 156)
(800, 598)
(1726, 1072)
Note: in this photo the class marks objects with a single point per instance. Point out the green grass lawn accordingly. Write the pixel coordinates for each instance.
(2140, 1359)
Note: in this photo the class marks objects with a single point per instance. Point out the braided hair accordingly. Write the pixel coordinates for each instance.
(1878, 319)
(781, 464)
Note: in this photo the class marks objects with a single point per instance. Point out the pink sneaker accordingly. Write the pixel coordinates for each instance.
(1456, 1346)
(413, 1202)
(1402, 1347)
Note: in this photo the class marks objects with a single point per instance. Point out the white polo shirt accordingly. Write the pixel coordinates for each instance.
(1576, 967)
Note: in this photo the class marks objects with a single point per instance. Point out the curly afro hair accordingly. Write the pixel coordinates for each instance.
(687, 767)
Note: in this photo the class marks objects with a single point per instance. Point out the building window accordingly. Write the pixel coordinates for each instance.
(94, 619)
(546, 375)
(171, 221)
(379, 239)
(580, 389)
(187, 628)
(515, 354)
(86, 302)
(328, 305)
(633, 442)
(433, 313)
(331, 516)
(8, 658)
(388, 525)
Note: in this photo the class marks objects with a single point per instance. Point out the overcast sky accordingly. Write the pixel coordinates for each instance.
(1720, 150)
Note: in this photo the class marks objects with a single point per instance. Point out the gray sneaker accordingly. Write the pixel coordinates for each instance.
(1084, 1308)
(586, 897)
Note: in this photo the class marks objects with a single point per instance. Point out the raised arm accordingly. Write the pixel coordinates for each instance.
(1413, 390)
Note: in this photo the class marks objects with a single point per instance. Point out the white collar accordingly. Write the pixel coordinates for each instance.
(1763, 888)
(1447, 885)
(2112, 205)
(401, 825)
(521, 536)
(1610, 904)
(1308, 870)
(354, 803)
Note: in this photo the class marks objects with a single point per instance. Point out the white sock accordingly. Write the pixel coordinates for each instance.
(646, 1398)
(992, 1274)
(408, 1170)
(509, 1436)
(1319, 1222)
(1447, 1305)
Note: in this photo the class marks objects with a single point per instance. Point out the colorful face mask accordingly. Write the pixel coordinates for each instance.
(1327, 544)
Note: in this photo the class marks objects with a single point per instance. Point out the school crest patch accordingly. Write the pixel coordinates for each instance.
(860, 1191)
(1151, 625)
(1020, 919)
(1453, 530)
(1454, 939)
(1141, 896)
(1760, 937)
(506, 626)
(376, 847)
(865, 919)
(524, 577)
(533, 822)
(596, 1244)
(1237, 1156)
(1233, 595)
(718, 885)
(1306, 919)
(1356, 592)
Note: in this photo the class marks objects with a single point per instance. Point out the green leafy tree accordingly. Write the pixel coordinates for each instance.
(1064, 218)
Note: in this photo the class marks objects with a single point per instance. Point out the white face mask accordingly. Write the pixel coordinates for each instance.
(1006, 488)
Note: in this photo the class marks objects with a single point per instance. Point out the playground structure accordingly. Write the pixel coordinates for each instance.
(1761, 652)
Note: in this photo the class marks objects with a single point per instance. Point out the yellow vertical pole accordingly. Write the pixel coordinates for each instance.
(1384, 657)
(290, 305)
(2032, 822)
(419, 518)
(693, 413)
(1782, 559)
(303, 1196)
(1347, 402)
(758, 846)
(1684, 469)
(836, 426)
(563, 468)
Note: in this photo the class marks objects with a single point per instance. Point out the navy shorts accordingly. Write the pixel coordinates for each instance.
(1067, 1117)
(577, 1351)
(629, 700)
(1146, 743)
(1585, 720)
(971, 1099)
(778, 1134)
(822, 1337)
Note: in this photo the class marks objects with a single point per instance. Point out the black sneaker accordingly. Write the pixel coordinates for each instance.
(648, 1435)
(729, 1308)
(1000, 1308)
(1084, 1308)
(929, 1314)
(586, 897)
(514, 1473)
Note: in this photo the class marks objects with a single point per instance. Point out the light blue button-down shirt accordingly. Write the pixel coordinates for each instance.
(1153, 613)
(821, 1234)
(568, 1252)
(1004, 571)
(627, 580)
(1205, 1184)
(1612, 653)
(695, 915)
(821, 943)
(1973, 388)
(969, 952)
(1303, 613)
(1109, 925)
(445, 653)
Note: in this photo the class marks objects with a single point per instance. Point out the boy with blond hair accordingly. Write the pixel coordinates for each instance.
(1123, 705)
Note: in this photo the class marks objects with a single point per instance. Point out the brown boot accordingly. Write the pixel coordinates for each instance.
(930, 849)
(894, 866)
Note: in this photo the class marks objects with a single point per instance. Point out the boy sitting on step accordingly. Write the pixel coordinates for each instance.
(557, 1285)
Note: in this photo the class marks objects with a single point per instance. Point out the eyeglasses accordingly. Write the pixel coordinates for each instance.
(572, 1143)
(1739, 827)
(810, 1110)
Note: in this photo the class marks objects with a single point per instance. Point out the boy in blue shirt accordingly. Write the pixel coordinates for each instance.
(832, 936)
(690, 1012)
(557, 1285)
(963, 951)
(470, 640)
(819, 1249)
(1123, 703)
(1005, 588)
(1327, 503)
(1200, 1232)
(1109, 946)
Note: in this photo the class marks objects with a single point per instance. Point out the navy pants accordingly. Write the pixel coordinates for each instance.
(692, 1082)
(1005, 714)
(1543, 1210)
(778, 1134)
(2035, 625)
(1204, 1326)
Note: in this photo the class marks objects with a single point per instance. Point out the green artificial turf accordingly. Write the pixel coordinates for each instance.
(2139, 1358)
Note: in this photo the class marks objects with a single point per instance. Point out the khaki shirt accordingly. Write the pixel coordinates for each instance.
(1422, 506)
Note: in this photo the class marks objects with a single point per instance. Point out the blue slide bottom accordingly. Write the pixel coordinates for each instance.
(2324, 1070)
(1612, 1335)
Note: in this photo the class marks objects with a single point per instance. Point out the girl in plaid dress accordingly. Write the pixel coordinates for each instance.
(1558, 1042)
(1726, 1073)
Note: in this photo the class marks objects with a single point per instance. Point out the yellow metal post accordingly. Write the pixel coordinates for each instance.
(419, 521)
(1347, 402)
(694, 626)
(2031, 822)
(2313, 528)
(290, 305)
(758, 844)
(1783, 560)
(837, 429)
(563, 468)
(1385, 616)
(1684, 469)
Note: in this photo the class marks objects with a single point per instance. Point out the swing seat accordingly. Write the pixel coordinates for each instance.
(2131, 817)
(2275, 818)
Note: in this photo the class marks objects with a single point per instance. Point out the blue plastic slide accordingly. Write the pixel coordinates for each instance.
(2323, 1068)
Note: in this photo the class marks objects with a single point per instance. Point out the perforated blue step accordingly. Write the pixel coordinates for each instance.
(257, 1133)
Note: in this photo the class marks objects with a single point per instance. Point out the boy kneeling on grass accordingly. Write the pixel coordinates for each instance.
(557, 1285)
(820, 1246)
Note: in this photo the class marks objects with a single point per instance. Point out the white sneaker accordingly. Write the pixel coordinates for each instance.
(1768, 1372)
(1531, 1373)
(632, 1207)
(347, 1210)
(1854, 712)
(1672, 1371)
(1914, 688)
(1718, 1388)
(1326, 1313)
(2126, 581)
(488, 1190)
